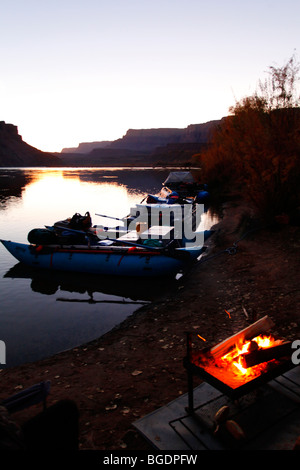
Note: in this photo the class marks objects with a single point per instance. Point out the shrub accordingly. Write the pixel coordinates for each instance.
(256, 149)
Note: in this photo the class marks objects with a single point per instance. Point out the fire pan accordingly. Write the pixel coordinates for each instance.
(234, 393)
(197, 360)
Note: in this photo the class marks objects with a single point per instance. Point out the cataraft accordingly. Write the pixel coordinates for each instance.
(133, 249)
(120, 258)
(180, 199)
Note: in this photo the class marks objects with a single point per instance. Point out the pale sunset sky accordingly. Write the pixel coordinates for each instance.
(89, 70)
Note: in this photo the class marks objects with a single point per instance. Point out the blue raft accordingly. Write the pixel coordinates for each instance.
(111, 260)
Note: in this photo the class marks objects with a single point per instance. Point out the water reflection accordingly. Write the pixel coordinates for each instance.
(51, 183)
(12, 184)
(60, 193)
(45, 282)
(42, 312)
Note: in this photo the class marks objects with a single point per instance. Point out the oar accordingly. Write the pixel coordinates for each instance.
(180, 254)
(109, 217)
(82, 232)
(125, 242)
(164, 250)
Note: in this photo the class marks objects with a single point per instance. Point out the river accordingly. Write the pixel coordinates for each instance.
(43, 313)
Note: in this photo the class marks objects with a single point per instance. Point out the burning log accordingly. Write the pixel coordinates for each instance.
(238, 364)
(257, 356)
(261, 326)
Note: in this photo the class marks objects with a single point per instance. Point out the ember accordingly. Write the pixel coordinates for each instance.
(235, 357)
(232, 368)
(241, 361)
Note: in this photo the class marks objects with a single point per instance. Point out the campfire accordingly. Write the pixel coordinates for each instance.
(243, 361)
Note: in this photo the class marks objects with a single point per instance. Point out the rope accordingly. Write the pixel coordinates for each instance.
(232, 250)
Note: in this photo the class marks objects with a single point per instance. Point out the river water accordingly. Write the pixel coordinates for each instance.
(43, 313)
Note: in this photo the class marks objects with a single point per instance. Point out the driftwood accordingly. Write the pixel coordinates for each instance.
(258, 356)
(261, 326)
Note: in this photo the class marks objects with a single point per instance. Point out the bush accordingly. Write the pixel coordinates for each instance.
(256, 149)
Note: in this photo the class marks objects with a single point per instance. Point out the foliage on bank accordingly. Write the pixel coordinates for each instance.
(256, 149)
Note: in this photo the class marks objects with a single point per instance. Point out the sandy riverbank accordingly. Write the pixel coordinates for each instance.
(137, 367)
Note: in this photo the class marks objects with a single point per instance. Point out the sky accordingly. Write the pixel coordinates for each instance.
(89, 70)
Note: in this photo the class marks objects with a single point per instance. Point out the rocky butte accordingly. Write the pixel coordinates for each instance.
(14, 152)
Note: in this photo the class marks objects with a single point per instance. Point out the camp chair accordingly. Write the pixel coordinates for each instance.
(30, 396)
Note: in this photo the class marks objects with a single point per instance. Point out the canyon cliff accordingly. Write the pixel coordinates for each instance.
(148, 140)
(144, 147)
(14, 152)
(138, 147)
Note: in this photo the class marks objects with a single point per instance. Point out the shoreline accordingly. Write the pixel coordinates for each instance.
(138, 366)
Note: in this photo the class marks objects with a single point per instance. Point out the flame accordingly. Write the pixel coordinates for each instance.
(229, 367)
(234, 357)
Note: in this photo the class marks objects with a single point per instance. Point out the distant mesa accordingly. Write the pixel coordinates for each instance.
(144, 147)
(148, 140)
(138, 147)
(86, 147)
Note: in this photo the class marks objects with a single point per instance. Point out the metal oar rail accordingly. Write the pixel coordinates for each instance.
(169, 249)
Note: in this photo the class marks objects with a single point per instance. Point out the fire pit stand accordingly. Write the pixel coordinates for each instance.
(233, 393)
(265, 404)
(250, 401)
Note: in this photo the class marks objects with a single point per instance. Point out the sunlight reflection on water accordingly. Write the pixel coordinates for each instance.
(44, 313)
